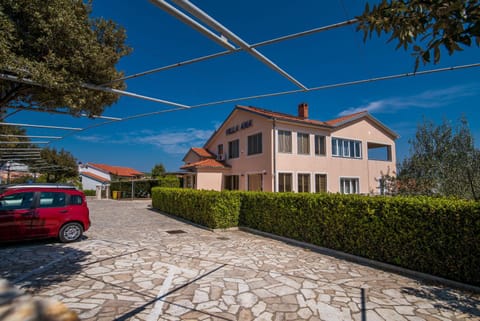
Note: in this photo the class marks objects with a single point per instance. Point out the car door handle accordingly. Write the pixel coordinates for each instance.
(63, 211)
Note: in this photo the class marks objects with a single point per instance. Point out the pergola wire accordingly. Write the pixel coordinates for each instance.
(226, 36)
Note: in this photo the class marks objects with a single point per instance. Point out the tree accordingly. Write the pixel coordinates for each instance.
(425, 25)
(443, 161)
(56, 45)
(158, 170)
(63, 165)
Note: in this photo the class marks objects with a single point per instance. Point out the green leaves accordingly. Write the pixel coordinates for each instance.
(449, 24)
(211, 209)
(443, 161)
(64, 162)
(57, 45)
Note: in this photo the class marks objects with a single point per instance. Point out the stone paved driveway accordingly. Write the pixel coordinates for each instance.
(136, 264)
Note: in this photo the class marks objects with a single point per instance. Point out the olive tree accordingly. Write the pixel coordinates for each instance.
(426, 26)
(443, 161)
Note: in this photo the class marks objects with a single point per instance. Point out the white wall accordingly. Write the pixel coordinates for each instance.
(88, 183)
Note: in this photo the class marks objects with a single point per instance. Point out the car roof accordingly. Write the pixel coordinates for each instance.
(37, 185)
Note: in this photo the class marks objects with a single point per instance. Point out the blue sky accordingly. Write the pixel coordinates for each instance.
(330, 57)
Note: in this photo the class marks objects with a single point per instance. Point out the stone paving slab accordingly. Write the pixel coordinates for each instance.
(129, 267)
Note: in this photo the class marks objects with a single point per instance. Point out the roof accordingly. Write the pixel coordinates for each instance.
(282, 116)
(332, 124)
(95, 177)
(347, 119)
(205, 163)
(117, 170)
(39, 185)
(344, 119)
(202, 152)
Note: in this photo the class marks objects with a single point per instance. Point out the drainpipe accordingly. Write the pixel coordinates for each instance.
(274, 156)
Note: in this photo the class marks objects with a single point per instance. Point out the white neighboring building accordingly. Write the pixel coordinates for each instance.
(98, 176)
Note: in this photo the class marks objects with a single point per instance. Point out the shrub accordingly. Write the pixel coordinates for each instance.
(207, 208)
(432, 235)
(90, 192)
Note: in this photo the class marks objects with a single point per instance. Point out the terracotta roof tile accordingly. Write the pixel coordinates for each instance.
(117, 170)
(343, 119)
(205, 163)
(282, 116)
(95, 177)
(202, 152)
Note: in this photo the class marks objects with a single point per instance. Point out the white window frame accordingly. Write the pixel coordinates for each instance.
(308, 143)
(342, 147)
(292, 182)
(309, 181)
(314, 189)
(278, 141)
(319, 145)
(342, 186)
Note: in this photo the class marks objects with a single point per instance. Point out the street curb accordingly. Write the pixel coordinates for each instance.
(368, 262)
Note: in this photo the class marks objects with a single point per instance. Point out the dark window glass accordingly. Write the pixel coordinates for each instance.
(17, 201)
(233, 149)
(255, 144)
(320, 183)
(320, 148)
(284, 182)
(52, 199)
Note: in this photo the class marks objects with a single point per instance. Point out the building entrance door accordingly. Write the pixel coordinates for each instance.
(255, 182)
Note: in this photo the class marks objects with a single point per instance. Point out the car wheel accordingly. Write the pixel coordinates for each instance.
(70, 232)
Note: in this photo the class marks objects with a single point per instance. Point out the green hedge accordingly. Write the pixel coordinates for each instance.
(207, 208)
(431, 235)
(89, 192)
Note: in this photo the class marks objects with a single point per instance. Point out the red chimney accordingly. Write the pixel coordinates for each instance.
(303, 110)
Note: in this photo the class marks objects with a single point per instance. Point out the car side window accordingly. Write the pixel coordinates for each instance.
(17, 201)
(76, 200)
(52, 199)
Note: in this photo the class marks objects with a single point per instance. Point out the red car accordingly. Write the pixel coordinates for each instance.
(34, 211)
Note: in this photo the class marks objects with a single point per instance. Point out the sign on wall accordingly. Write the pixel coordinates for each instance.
(236, 128)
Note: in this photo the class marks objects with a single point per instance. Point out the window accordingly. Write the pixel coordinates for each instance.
(284, 182)
(220, 149)
(346, 148)
(76, 200)
(233, 149)
(303, 144)
(320, 183)
(232, 182)
(52, 199)
(16, 201)
(320, 148)
(255, 144)
(284, 141)
(190, 181)
(255, 182)
(303, 183)
(349, 186)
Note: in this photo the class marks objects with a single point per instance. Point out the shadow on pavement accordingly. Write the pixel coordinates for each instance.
(447, 299)
(39, 264)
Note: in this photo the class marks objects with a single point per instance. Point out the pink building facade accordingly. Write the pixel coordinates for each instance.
(260, 150)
